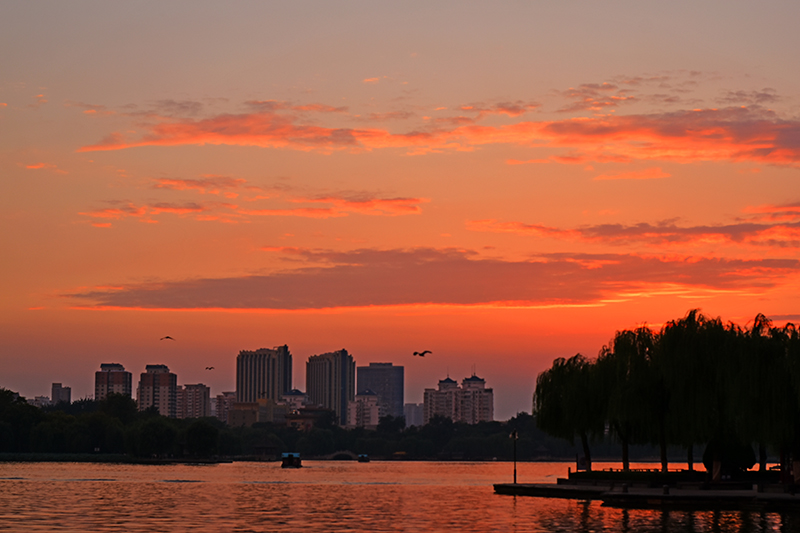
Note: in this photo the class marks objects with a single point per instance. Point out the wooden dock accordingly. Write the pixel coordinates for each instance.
(772, 497)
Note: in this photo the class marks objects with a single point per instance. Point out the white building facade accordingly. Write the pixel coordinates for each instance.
(470, 403)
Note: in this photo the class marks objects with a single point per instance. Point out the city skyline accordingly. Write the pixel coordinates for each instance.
(380, 375)
(502, 185)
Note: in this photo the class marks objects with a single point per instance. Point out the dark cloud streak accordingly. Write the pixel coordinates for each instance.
(429, 276)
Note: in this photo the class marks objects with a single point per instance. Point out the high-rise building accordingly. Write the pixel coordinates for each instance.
(193, 401)
(225, 403)
(476, 401)
(364, 411)
(471, 403)
(263, 373)
(158, 387)
(440, 402)
(331, 382)
(414, 413)
(386, 381)
(61, 394)
(112, 377)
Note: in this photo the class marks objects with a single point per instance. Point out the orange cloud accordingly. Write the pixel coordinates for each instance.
(122, 210)
(338, 205)
(40, 101)
(511, 109)
(779, 235)
(178, 209)
(371, 206)
(278, 105)
(776, 212)
(426, 276)
(646, 174)
(117, 213)
(45, 166)
(284, 249)
(730, 134)
(206, 185)
(527, 161)
(391, 115)
(306, 212)
(90, 109)
(595, 97)
(520, 228)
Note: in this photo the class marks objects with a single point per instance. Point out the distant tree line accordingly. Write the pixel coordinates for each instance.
(696, 382)
(115, 426)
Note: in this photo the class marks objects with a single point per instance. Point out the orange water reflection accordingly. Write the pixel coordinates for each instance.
(322, 496)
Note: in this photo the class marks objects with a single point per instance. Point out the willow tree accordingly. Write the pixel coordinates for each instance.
(636, 398)
(688, 354)
(567, 402)
(784, 429)
(763, 382)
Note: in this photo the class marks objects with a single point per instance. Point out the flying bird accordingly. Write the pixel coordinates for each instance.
(209, 368)
(167, 337)
(422, 354)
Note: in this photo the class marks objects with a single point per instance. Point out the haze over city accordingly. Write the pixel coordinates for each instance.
(499, 184)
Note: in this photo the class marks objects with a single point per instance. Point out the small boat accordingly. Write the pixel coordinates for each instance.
(290, 460)
(363, 458)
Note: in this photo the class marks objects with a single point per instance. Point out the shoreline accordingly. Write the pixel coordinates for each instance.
(691, 496)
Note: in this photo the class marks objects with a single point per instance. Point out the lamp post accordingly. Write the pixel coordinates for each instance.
(515, 437)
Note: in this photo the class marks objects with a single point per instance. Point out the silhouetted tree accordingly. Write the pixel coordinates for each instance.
(567, 402)
(634, 391)
(201, 438)
(119, 406)
(686, 356)
(391, 424)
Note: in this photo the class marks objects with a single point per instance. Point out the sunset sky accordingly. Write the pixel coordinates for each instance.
(499, 183)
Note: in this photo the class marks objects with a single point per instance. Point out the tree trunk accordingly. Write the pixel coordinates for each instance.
(663, 445)
(784, 467)
(716, 466)
(586, 452)
(626, 464)
(762, 457)
(690, 457)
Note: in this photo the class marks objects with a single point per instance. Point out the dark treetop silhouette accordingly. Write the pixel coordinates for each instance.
(697, 381)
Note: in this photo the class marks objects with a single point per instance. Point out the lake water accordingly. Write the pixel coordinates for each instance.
(323, 496)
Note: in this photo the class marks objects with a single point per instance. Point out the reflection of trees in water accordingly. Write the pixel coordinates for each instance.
(591, 516)
(789, 523)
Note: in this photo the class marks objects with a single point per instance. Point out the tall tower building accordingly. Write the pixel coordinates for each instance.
(263, 373)
(386, 381)
(158, 387)
(61, 394)
(112, 377)
(331, 382)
